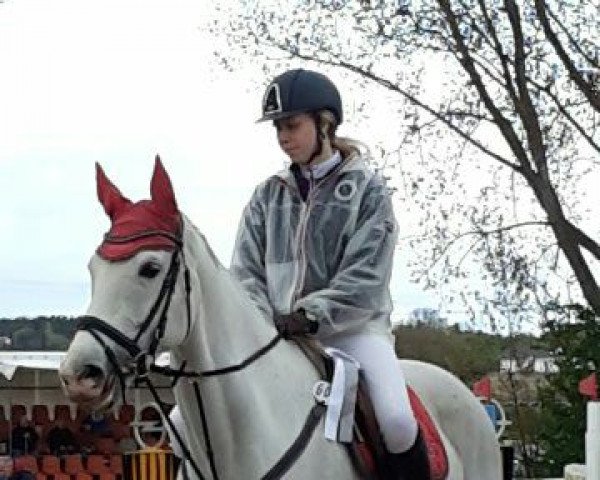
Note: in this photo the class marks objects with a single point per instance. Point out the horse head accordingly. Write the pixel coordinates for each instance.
(139, 278)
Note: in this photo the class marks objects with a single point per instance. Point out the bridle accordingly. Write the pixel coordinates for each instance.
(95, 326)
(143, 361)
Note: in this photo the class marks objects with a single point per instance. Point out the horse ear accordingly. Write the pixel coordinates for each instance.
(161, 188)
(110, 197)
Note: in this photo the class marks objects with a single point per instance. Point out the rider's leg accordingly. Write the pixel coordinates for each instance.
(387, 389)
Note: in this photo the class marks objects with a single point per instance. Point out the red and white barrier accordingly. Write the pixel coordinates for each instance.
(591, 470)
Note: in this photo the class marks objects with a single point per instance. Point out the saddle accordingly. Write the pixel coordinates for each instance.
(367, 449)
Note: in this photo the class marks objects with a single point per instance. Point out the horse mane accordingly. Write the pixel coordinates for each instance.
(197, 247)
(191, 232)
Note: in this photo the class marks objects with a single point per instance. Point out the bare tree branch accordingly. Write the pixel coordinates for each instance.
(466, 61)
(481, 234)
(562, 109)
(572, 41)
(499, 52)
(592, 96)
(586, 242)
(525, 106)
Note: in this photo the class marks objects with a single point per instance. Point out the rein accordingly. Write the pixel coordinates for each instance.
(143, 361)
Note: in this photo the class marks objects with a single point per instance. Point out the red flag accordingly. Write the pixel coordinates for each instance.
(589, 387)
(483, 388)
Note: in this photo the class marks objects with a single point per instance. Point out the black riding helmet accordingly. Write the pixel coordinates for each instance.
(300, 91)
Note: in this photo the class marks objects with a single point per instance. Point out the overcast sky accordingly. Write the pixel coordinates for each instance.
(118, 82)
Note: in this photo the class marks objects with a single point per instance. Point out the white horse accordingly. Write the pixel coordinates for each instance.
(254, 414)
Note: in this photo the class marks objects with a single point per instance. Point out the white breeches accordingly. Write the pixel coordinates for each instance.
(385, 384)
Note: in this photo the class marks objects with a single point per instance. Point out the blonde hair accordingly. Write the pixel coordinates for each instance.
(346, 146)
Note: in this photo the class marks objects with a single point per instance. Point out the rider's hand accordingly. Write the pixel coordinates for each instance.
(295, 323)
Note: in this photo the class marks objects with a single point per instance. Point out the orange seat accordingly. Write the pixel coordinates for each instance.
(97, 464)
(105, 476)
(73, 464)
(51, 468)
(62, 412)
(105, 445)
(116, 464)
(50, 464)
(26, 463)
(16, 412)
(82, 476)
(58, 476)
(39, 415)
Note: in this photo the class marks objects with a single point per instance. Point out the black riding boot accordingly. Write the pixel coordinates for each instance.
(410, 465)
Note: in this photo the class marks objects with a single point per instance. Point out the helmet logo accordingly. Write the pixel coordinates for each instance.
(272, 100)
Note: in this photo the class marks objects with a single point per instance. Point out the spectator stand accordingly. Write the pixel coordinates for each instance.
(29, 380)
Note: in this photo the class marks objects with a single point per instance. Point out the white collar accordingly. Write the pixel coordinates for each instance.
(321, 169)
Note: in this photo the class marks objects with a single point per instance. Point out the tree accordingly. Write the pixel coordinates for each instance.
(54, 340)
(470, 356)
(562, 427)
(497, 114)
(39, 333)
(28, 338)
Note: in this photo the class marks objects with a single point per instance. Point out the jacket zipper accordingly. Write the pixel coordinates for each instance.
(301, 249)
(302, 224)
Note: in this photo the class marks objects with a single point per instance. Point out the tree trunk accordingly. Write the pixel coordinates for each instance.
(567, 242)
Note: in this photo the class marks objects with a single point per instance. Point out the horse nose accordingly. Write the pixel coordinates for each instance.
(91, 372)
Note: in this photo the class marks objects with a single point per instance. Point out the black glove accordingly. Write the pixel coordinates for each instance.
(295, 323)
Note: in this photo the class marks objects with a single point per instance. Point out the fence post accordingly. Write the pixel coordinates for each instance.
(592, 441)
(508, 459)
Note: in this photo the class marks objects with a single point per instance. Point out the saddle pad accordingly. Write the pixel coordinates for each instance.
(438, 458)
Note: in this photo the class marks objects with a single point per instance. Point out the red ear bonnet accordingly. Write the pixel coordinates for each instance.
(146, 225)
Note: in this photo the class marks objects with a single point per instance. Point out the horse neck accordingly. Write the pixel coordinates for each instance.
(226, 323)
(227, 329)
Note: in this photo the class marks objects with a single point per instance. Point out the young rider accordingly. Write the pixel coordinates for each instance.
(315, 247)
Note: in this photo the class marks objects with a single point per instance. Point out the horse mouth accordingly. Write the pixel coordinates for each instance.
(104, 400)
(93, 397)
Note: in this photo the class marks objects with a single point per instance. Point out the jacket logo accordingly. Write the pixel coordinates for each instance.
(345, 190)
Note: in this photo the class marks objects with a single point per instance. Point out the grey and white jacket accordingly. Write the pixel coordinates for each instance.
(330, 255)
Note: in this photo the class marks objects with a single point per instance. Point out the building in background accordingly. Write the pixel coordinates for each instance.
(527, 360)
(428, 317)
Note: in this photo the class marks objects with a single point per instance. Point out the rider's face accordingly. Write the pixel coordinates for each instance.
(297, 137)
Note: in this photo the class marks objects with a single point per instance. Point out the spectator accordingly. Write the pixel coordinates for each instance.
(22, 475)
(95, 423)
(60, 439)
(24, 438)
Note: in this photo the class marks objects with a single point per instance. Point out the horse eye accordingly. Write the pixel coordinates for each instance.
(149, 270)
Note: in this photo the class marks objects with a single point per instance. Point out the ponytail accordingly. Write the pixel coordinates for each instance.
(346, 146)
